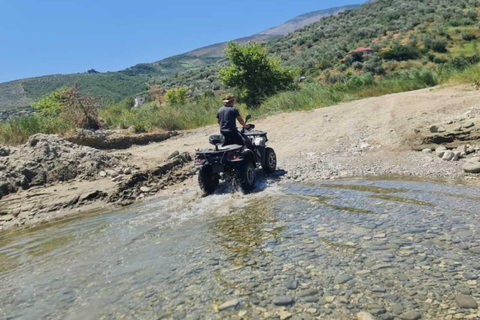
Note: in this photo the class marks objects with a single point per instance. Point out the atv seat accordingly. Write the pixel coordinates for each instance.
(230, 147)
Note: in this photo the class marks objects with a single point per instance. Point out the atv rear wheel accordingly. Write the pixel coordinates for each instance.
(270, 164)
(246, 176)
(207, 180)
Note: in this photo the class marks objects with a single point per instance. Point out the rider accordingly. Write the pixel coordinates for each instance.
(226, 119)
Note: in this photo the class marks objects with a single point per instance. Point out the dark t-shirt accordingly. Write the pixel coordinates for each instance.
(227, 116)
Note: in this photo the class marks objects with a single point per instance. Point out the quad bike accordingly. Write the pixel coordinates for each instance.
(235, 163)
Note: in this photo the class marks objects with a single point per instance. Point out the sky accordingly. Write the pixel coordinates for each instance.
(51, 37)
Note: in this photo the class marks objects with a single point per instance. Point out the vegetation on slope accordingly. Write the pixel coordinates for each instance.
(417, 44)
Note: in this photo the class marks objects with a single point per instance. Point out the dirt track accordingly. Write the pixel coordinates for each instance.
(360, 138)
(367, 137)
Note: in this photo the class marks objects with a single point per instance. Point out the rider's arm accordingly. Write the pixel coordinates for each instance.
(244, 125)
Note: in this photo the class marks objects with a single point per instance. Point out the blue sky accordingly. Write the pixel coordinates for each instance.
(49, 37)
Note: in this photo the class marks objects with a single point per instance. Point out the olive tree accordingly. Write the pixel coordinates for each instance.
(254, 74)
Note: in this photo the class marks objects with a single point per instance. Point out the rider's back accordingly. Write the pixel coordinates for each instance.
(227, 116)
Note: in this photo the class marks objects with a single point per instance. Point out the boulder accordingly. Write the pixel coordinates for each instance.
(173, 155)
(459, 128)
(440, 151)
(428, 150)
(462, 149)
(472, 165)
(433, 129)
(4, 151)
(448, 156)
(469, 125)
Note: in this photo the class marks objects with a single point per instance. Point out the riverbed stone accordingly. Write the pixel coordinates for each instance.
(292, 284)
(466, 302)
(307, 292)
(365, 316)
(475, 250)
(410, 315)
(342, 278)
(229, 304)
(283, 300)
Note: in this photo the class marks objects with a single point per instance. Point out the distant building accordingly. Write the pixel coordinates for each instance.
(363, 51)
(139, 101)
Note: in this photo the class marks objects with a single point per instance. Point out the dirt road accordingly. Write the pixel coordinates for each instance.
(370, 137)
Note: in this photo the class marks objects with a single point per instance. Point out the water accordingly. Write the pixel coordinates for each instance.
(386, 247)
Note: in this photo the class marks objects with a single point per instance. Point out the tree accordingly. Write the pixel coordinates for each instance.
(254, 74)
(83, 108)
(177, 95)
(70, 105)
(51, 105)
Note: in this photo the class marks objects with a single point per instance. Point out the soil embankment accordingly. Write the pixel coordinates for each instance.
(371, 137)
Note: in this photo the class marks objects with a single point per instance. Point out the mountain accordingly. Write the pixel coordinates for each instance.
(114, 86)
(216, 50)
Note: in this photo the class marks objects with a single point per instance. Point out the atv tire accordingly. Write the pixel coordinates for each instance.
(207, 180)
(246, 176)
(270, 164)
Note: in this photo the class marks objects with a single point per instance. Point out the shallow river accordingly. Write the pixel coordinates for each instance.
(327, 250)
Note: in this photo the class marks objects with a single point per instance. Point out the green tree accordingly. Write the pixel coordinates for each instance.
(254, 74)
(177, 95)
(53, 104)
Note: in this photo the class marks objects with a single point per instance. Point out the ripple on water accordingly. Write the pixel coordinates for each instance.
(388, 247)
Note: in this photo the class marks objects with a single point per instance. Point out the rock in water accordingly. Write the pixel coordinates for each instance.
(410, 315)
(292, 284)
(229, 304)
(466, 302)
(364, 316)
(283, 301)
(340, 279)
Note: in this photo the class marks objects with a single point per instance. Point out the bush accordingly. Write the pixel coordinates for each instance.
(439, 46)
(467, 36)
(357, 65)
(401, 53)
(360, 81)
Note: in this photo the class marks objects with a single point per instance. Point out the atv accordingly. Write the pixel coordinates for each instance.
(235, 163)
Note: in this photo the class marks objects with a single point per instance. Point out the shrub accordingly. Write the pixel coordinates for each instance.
(357, 65)
(467, 36)
(439, 46)
(401, 53)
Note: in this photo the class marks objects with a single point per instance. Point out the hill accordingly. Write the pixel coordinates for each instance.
(404, 34)
(114, 86)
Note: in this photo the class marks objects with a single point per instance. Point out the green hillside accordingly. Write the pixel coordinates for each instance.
(114, 86)
(436, 32)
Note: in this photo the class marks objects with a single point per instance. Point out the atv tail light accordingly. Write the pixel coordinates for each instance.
(199, 160)
(234, 157)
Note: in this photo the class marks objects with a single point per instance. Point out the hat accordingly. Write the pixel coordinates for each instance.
(229, 97)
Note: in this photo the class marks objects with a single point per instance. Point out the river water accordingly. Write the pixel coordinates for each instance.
(323, 250)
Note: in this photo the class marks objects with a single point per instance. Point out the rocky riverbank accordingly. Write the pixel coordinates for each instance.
(49, 177)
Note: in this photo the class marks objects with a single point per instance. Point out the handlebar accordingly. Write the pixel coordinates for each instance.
(250, 127)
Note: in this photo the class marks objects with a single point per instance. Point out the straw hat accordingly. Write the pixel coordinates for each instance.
(228, 98)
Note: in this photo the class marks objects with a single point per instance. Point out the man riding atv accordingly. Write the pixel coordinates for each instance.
(236, 154)
(226, 117)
